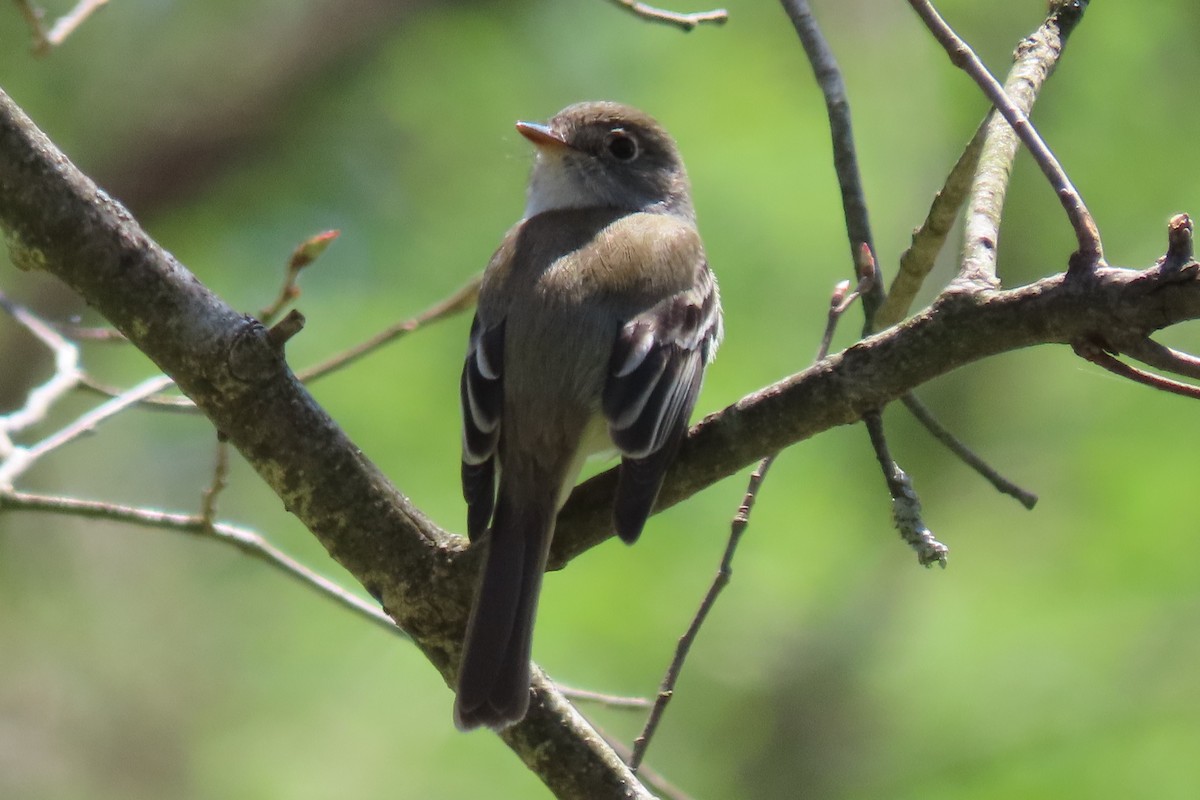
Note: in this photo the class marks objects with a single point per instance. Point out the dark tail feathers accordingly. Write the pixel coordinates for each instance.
(493, 676)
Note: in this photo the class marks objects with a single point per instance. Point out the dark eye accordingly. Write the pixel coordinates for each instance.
(621, 145)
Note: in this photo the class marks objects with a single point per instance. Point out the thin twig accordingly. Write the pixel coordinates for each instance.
(164, 402)
(34, 19)
(966, 454)
(40, 399)
(845, 158)
(1160, 356)
(44, 41)
(208, 500)
(740, 522)
(90, 333)
(67, 23)
(304, 254)
(854, 203)
(22, 458)
(989, 156)
(460, 301)
(611, 700)
(245, 540)
(647, 775)
(684, 21)
(1099, 356)
(1091, 251)
(1034, 61)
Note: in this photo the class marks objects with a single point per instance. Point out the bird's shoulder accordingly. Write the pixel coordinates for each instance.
(582, 252)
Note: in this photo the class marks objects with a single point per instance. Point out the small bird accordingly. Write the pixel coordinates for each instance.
(596, 318)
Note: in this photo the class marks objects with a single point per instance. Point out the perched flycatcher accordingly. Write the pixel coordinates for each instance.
(596, 319)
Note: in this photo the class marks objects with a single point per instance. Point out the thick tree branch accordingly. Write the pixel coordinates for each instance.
(953, 332)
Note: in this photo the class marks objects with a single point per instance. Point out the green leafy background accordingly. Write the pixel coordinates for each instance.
(1057, 655)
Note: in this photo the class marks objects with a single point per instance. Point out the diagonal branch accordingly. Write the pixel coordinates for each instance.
(243, 539)
(966, 454)
(461, 300)
(1065, 14)
(65, 378)
(1162, 357)
(1096, 354)
(1033, 63)
(20, 460)
(917, 261)
(845, 157)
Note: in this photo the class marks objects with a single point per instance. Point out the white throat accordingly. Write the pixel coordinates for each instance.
(553, 186)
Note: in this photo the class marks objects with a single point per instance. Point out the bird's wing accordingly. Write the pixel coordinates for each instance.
(481, 391)
(654, 376)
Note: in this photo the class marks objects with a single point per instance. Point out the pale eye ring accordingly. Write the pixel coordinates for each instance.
(622, 145)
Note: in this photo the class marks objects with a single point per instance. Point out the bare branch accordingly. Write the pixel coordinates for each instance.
(33, 18)
(164, 402)
(305, 253)
(854, 208)
(1096, 354)
(989, 155)
(65, 378)
(1064, 16)
(966, 454)
(994, 145)
(1033, 63)
(247, 541)
(740, 522)
(460, 301)
(208, 500)
(845, 158)
(610, 700)
(684, 21)
(281, 332)
(64, 26)
(1162, 357)
(89, 333)
(917, 261)
(21, 459)
(655, 779)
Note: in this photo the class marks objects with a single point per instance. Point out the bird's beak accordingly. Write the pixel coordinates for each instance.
(542, 136)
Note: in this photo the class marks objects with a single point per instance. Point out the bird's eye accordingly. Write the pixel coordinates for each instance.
(621, 145)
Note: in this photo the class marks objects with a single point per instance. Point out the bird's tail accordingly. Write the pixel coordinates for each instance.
(493, 676)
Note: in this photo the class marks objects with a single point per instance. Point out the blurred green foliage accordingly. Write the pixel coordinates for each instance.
(1055, 658)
